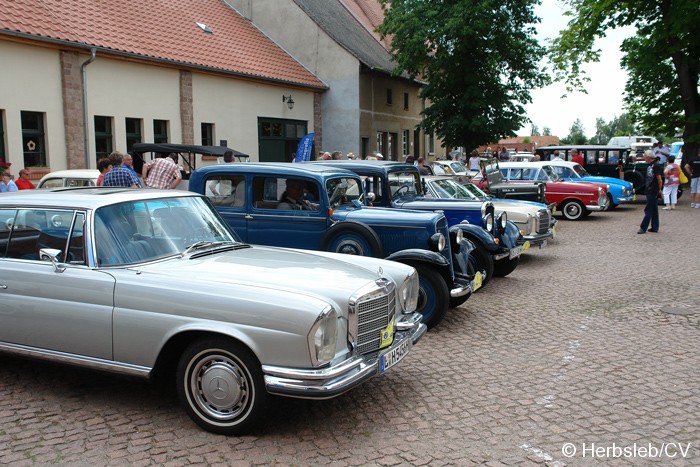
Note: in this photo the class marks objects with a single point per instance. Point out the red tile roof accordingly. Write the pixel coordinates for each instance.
(370, 14)
(160, 30)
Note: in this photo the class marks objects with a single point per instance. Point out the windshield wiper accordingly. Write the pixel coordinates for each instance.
(205, 244)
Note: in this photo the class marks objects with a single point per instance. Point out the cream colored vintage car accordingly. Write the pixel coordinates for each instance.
(151, 284)
(535, 220)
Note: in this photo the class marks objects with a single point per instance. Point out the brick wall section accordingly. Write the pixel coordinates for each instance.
(72, 91)
(186, 109)
(318, 127)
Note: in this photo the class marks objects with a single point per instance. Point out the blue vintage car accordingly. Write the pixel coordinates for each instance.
(619, 191)
(398, 185)
(320, 208)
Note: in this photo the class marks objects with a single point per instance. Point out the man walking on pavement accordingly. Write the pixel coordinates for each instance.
(652, 191)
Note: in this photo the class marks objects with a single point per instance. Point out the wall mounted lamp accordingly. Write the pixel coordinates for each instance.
(288, 99)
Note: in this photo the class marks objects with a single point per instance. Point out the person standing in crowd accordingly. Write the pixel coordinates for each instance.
(422, 169)
(120, 175)
(324, 156)
(128, 162)
(555, 156)
(672, 179)
(692, 167)
(410, 159)
(104, 166)
(7, 184)
(577, 157)
(504, 155)
(336, 155)
(162, 173)
(474, 161)
(652, 190)
(23, 182)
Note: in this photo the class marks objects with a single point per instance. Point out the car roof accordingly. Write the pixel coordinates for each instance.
(73, 173)
(524, 164)
(283, 168)
(376, 166)
(582, 147)
(84, 197)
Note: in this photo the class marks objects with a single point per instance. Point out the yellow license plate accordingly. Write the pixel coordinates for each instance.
(478, 280)
(526, 246)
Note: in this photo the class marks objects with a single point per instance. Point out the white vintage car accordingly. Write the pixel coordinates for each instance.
(535, 220)
(148, 283)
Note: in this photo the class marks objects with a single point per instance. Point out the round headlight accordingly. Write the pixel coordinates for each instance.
(408, 293)
(437, 242)
(488, 222)
(502, 220)
(600, 190)
(323, 337)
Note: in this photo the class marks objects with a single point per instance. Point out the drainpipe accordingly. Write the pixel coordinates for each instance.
(83, 74)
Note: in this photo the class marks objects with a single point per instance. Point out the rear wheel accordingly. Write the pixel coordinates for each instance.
(220, 385)
(433, 295)
(352, 238)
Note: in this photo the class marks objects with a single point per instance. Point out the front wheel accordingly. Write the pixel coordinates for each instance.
(433, 295)
(352, 238)
(220, 385)
(573, 210)
(611, 203)
(481, 260)
(505, 266)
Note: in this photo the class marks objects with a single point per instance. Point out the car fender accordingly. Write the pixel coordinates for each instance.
(479, 236)
(432, 258)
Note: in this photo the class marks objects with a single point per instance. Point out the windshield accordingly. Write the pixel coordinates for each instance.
(476, 191)
(458, 167)
(446, 188)
(147, 230)
(404, 184)
(342, 191)
(581, 171)
(547, 174)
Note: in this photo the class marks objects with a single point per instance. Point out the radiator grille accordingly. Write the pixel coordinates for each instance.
(545, 220)
(373, 315)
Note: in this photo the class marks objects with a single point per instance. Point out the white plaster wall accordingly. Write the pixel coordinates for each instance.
(295, 32)
(121, 89)
(233, 106)
(31, 81)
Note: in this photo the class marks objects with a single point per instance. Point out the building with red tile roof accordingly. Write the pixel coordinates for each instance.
(189, 71)
(366, 108)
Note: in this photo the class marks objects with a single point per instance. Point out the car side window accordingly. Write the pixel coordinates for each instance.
(52, 183)
(272, 193)
(34, 229)
(590, 157)
(226, 190)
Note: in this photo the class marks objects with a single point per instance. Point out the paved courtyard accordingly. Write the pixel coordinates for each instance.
(574, 359)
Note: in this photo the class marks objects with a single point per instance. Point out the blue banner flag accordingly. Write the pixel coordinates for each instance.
(304, 148)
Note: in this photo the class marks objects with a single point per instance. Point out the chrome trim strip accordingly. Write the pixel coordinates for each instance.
(595, 208)
(461, 291)
(76, 360)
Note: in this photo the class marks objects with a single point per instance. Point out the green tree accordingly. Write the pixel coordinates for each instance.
(534, 131)
(479, 61)
(546, 131)
(662, 58)
(577, 134)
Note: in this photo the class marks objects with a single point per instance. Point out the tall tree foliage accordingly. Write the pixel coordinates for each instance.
(663, 59)
(479, 61)
(577, 134)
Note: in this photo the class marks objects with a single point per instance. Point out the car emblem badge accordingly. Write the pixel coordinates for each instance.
(380, 272)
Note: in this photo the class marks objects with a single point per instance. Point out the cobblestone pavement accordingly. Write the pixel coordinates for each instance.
(576, 346)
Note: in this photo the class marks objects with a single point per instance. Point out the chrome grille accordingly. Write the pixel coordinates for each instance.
(545, 220)
(373, 315)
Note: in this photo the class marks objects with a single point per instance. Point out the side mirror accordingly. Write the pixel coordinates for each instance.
(53, 255)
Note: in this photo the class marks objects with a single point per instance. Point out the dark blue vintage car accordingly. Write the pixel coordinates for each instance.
(321, 208)
(398, 185)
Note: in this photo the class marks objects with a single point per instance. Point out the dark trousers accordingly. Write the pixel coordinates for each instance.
(651, 213)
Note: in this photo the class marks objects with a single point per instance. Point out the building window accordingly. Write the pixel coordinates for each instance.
(405, 101)
(364, 145)
(33, 142)
(103, 136)
(416, 143)
(405, 134)
(160, 131)
(207, 134)
(278, 138)
(134, 132)
(2, 136)
(380, 142)
(389, 97)
(431, 143)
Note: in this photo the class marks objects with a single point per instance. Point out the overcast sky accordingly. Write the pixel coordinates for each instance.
(604, 98)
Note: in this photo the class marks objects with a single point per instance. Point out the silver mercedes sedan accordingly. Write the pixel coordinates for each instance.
(153, 283)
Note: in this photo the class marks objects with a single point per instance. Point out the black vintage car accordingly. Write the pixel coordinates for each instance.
(491, 180)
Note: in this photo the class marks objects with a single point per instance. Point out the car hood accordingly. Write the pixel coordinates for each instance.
(435, 204)
(314, 273)
(374, 215)
(607, 180)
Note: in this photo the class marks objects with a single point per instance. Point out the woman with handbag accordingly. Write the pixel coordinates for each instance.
(672, 179)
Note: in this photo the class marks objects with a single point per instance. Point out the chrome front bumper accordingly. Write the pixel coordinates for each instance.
(595, 207)
(325, 383)
(625, 199)
(537, 239)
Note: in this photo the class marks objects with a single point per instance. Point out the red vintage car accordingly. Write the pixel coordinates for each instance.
(574, 200)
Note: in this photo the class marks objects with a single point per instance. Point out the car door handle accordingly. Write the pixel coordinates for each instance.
(248, 216)
(3, 286)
